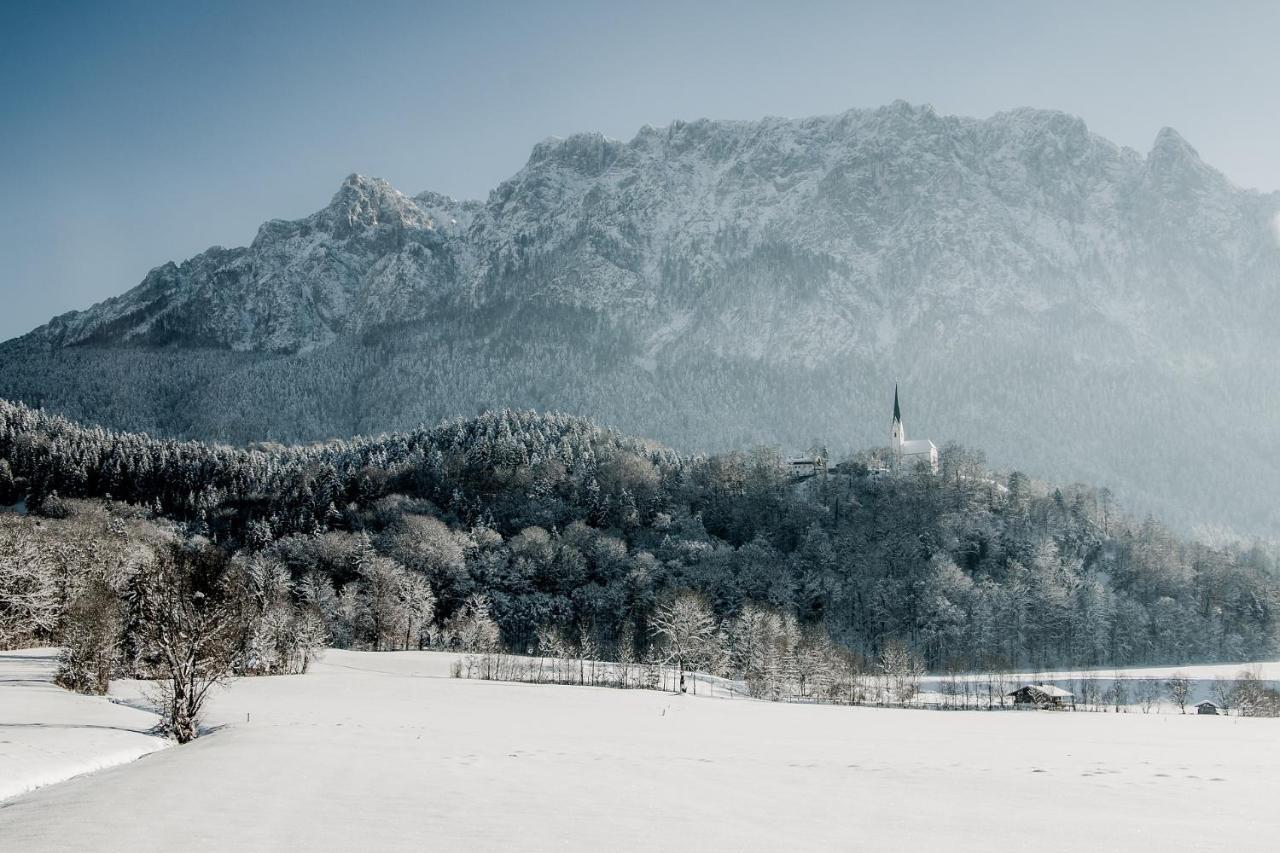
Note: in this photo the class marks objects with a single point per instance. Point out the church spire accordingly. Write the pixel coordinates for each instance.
(897, 430)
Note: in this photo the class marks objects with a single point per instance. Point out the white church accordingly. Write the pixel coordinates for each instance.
(907, 454)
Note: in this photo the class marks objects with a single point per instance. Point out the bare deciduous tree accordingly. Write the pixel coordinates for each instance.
(688, 631)
(29, 591)
(903, 669)
(1224, 692)
(418, 608)
(1148, 695)
(1179, 689)
(1117, 694)
(472, 628)
(188, 634)
(1252, 697)
(90, 639)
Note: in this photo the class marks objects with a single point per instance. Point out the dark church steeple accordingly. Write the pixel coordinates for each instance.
(909, 454)
(897, 430)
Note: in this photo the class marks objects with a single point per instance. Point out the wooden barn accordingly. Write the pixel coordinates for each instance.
(1042, 696)
(1208, 707)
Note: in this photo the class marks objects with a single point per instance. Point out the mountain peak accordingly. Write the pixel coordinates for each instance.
(589, 153)
(1173, 163)
(361, 186)
(1169, 143)
(363, 202)
(355, 179)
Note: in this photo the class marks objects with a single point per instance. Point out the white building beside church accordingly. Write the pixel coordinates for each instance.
(907, 454)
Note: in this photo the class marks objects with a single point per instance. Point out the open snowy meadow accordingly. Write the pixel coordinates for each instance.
(48, 734)
(386, 752)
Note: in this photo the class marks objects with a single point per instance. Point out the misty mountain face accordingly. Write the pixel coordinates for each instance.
(370, 257)
(1076, 309)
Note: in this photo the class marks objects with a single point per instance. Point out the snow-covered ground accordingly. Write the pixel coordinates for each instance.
(48, 734)
(1202, 678)
(1267, 671)
(385, 752)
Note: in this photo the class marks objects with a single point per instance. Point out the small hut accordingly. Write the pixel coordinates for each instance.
(1042, 696)
(1208, 707)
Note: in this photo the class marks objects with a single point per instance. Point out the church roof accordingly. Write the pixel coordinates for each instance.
(897, 413)
(919, 445)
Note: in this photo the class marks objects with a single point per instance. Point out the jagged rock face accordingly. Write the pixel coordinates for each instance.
(370, 256)
(803, 241)
(843, 235)
(1072, 306)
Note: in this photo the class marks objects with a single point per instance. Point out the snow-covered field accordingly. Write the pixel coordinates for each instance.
(1202, 678)
(1205, 673)
(384, 751)
(48, 734)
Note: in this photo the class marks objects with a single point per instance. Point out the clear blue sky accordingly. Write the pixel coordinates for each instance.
(136, 133)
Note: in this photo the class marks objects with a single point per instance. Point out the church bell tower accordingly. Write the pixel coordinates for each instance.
(897, 432)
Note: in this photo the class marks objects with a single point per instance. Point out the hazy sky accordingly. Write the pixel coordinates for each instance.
(136, 133)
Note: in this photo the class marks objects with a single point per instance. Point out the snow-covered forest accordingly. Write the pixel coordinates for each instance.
(507, 530)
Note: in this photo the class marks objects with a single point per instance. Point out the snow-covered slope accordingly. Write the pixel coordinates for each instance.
(49, 735)
(1077, 308)
(371, 256)
(382, 752)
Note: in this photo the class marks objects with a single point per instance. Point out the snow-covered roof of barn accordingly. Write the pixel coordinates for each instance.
(1047, 689)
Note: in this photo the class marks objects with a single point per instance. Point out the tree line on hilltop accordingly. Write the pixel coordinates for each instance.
(508, 529)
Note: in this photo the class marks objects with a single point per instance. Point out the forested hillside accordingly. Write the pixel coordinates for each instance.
(1078, 309)
(547, 521)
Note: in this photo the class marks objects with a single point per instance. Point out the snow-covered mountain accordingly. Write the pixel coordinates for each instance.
(1074, 307)
(370, 256)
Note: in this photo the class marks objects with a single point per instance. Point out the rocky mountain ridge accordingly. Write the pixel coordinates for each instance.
(897, 207)
(1075, 307)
